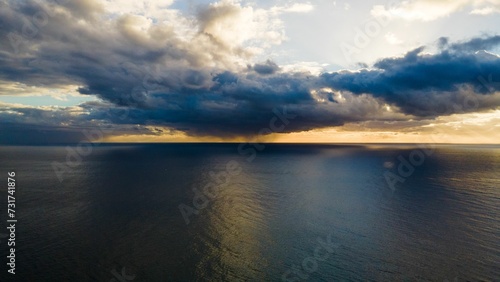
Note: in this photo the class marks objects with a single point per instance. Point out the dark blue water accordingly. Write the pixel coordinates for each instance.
(258, 215)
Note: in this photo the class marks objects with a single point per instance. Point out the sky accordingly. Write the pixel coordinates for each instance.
(415, 71)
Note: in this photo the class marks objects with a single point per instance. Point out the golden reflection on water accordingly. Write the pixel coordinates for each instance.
(235, 221)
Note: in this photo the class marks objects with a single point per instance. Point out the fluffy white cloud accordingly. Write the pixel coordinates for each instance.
(486, 10)
(391, 38)
(429, 10)
(296, 8)
(234, 25)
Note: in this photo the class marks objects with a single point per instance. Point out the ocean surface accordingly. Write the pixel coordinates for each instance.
(225, 212)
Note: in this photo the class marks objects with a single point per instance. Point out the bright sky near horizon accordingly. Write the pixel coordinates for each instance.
(277, 71)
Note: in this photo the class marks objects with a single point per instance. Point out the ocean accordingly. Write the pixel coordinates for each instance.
(252, 212)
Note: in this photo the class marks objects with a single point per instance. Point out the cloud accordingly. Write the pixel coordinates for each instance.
(152, 8)
(268, 67)
(430, 84)
(429, 10)
(391, 38)
(196, 74)
(486, 11)
(475, 44)
(52, 124)
(295, 8)
(231, 25)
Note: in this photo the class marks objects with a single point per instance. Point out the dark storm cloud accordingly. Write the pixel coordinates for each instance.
(231, 107)
(157, 77)
(268, 67)
(476, 44)
(48, 125)
(422, 84)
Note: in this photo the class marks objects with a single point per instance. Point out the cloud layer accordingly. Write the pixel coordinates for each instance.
(153, 67)
(429, 10)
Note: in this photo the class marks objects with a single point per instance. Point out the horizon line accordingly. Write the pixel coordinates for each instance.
(243, 142)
